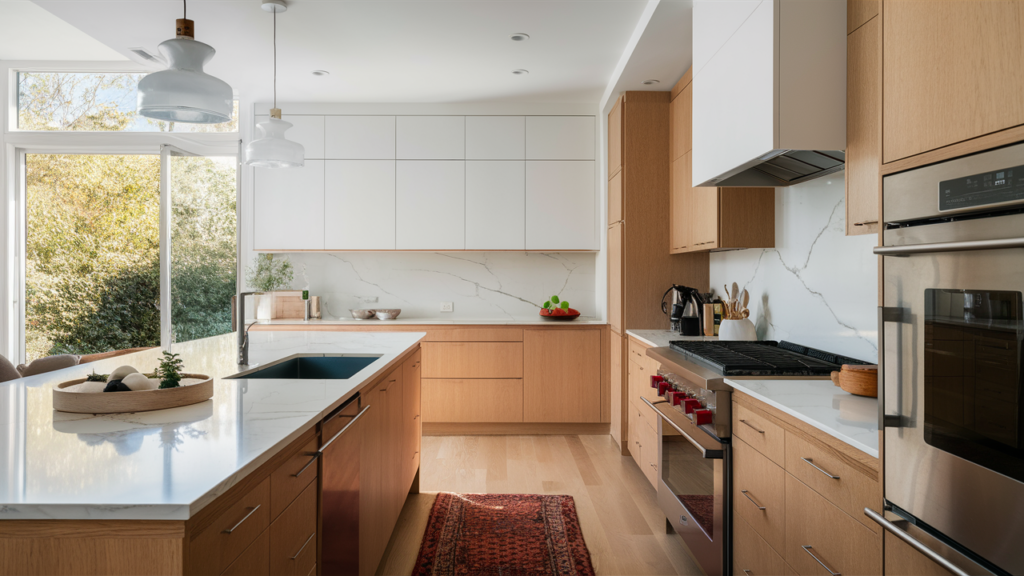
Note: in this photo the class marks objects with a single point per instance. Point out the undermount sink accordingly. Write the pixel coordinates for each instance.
(311, 368)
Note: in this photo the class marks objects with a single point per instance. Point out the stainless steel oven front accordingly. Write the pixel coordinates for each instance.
(952, 363)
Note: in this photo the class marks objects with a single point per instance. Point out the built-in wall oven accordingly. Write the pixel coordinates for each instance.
(951, 334)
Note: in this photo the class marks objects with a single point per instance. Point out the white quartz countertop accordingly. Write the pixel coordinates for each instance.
(401, 320)
(661, 338)
(168, 464)
(852, 419)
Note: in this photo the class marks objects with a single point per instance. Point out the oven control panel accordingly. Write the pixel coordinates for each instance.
(996, 187)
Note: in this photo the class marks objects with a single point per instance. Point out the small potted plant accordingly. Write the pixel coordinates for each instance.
(267, 275)
(557, 309)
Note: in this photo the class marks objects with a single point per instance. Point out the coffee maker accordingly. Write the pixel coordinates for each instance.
(685, 308)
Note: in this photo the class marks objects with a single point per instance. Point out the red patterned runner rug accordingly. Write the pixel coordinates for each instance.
(503, 534)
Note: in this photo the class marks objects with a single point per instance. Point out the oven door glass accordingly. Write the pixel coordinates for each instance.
(972, 377)
(690, 477)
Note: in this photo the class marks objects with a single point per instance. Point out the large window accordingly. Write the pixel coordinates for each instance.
(126, 249)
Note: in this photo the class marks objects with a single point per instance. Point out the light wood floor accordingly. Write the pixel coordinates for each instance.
(622, 524)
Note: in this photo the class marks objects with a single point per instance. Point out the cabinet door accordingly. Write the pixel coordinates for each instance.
(288, 207)
(704, 218)
(495, 137)
(495, 205)
(431, 137)
(954, 70)
(751, 554)
(560, 137)
(360, 137)
(680, 205)
(618, 396)
(394, 458)
(306, 130)
(901, 559)
(863, 131)
(679, 123)
(371, 489)
(649, 453)
(431, 205)
(359, 205)
(562, 376)
(615, 277)
(561, 206)
(413, 422)
(615, 138)
(636, 424)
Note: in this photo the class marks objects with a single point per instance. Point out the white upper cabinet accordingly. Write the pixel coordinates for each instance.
(495, 137)
(360, 137)
(495, 205)
(359, 205)
(431, 204)
(289, 204)
(561, 207)
(431, 137)
(306, 130)
(560, 137)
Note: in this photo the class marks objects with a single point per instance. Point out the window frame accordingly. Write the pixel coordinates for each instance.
(17, 143)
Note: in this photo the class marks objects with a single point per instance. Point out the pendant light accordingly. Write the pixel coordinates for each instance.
(271, 149)
(183, 92)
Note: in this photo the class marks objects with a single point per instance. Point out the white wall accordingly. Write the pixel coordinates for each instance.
(817, 287)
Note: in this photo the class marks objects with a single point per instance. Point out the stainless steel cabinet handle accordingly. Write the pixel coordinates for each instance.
(754, 502)
(308, 464)
(303, 546)
(819, 561)
(913, 542)
(816, 467)
(756, 429)
(246, 517)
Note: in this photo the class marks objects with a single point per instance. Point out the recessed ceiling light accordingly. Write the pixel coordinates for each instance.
(320, 73)
(520, 72)
(650, 82)
(519, 37)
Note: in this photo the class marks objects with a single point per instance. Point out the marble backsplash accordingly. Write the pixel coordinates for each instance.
(482, 285)
(817, 287)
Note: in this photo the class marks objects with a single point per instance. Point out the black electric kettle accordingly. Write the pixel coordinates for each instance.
(685, 308)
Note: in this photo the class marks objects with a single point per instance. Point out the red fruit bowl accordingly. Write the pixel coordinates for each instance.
(559, 314)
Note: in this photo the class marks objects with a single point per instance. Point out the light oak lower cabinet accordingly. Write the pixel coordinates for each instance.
(562, 380)
(902, 560)
(618, 395)
(413, 415)
(293, 536)
(759, 494)
(751, 555)
(372, 521)
(817, 532)
(473, 400)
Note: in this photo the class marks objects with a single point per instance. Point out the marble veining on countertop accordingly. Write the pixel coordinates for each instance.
(168, 464)
(820, 403)
(661, 338)
(429, 321)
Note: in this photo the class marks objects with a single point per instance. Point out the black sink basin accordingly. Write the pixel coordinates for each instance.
(313, 368)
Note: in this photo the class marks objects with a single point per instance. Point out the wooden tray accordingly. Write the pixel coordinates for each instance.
(141, 401)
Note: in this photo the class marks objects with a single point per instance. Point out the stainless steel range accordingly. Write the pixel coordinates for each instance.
(695, 405)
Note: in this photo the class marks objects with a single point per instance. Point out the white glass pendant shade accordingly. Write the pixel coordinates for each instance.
(272, 150)
(183, 92)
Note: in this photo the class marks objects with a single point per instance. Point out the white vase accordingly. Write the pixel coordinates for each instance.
(264, 306)
(737, 330)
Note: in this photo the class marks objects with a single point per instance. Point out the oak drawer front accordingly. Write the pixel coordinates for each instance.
(817, 532)
(752, 555)
(254, 561)
(472, 400)
(217, 545)
(292, 476)
(293, 537)
(827, 474)
(759, 483)
(760, 433)
(638, 353)
(474, 335)
(472, 359)
(640, 379)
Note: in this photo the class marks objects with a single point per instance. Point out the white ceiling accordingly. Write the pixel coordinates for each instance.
(28, 32)
(385, 50)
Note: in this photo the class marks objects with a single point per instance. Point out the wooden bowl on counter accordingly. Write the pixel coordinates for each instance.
(858, 379)
(200, 390)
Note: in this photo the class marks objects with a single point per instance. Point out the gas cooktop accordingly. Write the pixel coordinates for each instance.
(766, 358)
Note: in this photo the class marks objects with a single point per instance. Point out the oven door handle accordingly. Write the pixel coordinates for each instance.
(708, 453)
(917, 544)
(950, 247)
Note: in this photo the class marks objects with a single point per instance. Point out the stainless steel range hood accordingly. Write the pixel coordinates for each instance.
(769, 91)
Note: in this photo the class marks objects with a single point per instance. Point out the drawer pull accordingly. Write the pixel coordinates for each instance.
(308, 464)
(818, 560)
(754, 502)
(815, 466)
(755, 428)
(235, 527)
(747, 572)
(303, 546)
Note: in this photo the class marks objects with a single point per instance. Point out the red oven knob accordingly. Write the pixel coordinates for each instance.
(676, 398)
(655, 379)
(663, 387)
(690, 405)
(701, 417)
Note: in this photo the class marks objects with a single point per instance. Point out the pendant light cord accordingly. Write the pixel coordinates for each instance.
(185, 4)
(275, 57)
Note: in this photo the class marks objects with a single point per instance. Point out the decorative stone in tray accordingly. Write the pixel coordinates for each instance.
(77, 396)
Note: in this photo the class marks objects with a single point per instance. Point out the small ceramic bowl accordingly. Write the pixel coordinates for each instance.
(363, 314)
(388, 314)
